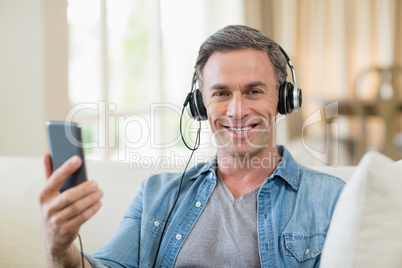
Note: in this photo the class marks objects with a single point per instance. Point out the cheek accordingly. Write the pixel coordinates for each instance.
(211, 112)
(272, 106)
(214, 110)
(267, 106)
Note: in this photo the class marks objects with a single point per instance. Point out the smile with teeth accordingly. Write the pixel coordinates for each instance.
(240, 129)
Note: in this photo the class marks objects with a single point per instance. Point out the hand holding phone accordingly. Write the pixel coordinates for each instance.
(64, 213)
(65, 141)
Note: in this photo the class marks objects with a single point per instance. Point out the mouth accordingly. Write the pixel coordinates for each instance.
(240, 130)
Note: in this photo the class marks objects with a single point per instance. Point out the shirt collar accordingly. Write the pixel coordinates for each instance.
(199, 169)
(288, 169)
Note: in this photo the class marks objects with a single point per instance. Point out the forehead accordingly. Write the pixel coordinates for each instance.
(238, 65)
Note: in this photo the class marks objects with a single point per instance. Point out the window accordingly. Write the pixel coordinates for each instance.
(130, 68)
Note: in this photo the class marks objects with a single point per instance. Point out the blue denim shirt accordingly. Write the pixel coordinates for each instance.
(294, 209)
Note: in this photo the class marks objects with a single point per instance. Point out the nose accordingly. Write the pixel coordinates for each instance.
(238, 107)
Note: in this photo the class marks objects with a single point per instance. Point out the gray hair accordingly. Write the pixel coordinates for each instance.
(238, 37)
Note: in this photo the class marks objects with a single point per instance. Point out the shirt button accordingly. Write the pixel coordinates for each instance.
(198, 204)
(307, 251)
(156, 223)
(210, 175)
(178, 236)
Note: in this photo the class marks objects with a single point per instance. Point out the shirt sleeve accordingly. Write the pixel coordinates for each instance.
(94, 262)
(122, 250)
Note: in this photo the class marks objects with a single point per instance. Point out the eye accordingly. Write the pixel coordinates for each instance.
(221, 94)
(254, 91)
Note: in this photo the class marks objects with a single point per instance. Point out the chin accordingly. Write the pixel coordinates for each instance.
(245, 151)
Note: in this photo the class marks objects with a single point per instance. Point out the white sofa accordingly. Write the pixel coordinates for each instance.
(21, 180)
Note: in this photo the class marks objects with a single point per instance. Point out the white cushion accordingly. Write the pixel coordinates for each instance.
(366, 228)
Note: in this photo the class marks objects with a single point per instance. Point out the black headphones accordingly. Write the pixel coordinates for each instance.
(289, 96)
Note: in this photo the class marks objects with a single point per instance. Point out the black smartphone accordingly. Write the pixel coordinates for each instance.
(65, 141)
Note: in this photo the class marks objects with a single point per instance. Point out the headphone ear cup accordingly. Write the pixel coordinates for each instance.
(297, 100)
(282, 99)
(281, 106)
(191, 106)
(286, 98)
(196, 108)
(202, 111)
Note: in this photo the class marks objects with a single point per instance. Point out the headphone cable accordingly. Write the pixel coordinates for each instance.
(196, 145)
(82, 252)
(197, 140)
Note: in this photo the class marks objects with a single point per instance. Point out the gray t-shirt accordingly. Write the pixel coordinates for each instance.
(225, 235)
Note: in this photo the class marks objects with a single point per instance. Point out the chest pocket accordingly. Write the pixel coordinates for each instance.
(304, 246)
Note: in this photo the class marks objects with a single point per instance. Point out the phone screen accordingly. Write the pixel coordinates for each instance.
(65, 141)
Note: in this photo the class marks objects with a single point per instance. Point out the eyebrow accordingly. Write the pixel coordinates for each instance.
(256, 84)
(219, 86)
(249, 85)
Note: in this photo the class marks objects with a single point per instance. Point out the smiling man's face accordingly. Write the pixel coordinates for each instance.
(240, 94)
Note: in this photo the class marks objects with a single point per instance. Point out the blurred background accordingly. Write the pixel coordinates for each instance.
(122, 69)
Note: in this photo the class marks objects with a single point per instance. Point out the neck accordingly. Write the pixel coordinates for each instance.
(242, 173)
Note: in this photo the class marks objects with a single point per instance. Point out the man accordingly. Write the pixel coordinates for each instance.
(251, 206)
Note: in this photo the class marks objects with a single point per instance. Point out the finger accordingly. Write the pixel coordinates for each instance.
(48, 165)
(58, 177)
(75, 223)
(72, 195)
(76, 208)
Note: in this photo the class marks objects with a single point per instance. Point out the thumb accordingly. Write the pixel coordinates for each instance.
(56, 179)
(47, 161)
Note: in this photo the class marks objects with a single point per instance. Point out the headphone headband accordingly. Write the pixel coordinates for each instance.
(289, 96)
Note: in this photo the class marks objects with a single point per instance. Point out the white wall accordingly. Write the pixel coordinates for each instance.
(218, 15)
(33, 71)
